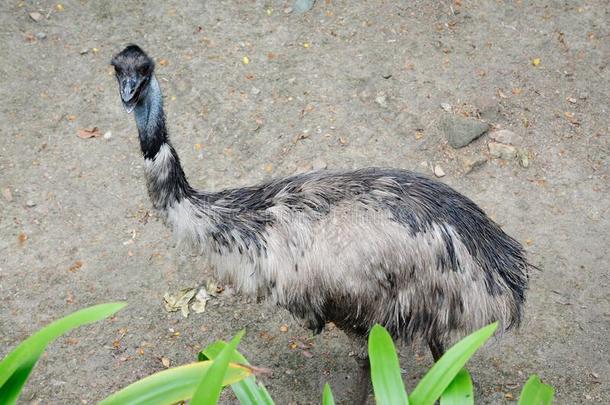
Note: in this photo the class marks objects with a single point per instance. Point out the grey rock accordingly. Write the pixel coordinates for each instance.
(502, 151)
(506, 137)
(41, 35)
(301, 6)
(30, 203)
(460, 131)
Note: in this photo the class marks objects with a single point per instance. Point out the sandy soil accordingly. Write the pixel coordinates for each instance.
(345, 85)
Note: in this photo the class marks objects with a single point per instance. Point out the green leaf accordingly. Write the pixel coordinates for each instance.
(460, 391)
(18, 364)
(172, 385)
(535, 392)
(246, 391)
(438, 378)
(209, 388)
(327, 396)
(385, 370)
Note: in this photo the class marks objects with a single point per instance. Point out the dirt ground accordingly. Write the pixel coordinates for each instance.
(345, 85)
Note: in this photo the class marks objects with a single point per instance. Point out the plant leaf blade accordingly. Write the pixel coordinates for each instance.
(535, 392)
(209, 388)
(388, 386)
(171, 385)
(327, 396)
(460, 391)
(438, 378)
(18, 364)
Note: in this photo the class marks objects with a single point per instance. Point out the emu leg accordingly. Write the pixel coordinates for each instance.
(436, 348)
(364, 387)
(364, 381)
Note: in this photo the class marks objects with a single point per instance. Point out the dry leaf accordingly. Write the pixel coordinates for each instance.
(77, 265)
(536, 61)
(85, 133)
(163, 62)
(269, 167)
(59, 7)
(165, 361)
(180, 301)
(284, 328)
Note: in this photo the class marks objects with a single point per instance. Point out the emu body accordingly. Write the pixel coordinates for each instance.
(354, 247)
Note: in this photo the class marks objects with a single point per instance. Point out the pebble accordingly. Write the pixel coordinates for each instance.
(447, 107)
(84, 51)
(471, 163)
(506, 137)
(460, 131)
(255, 91)
(41, 35)
(301, 6)
(36, 16)
(30, 203)
(523, 156)
(318, 164)
(382, 99)
(107, 135)
(7, 194)
(502, 151)
(438, 171)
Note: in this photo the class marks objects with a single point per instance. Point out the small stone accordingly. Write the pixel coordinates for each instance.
(30, 203)
(382, 99)
(301, 6)
(7, 194)
(506, 137)
(84, 51)
(447, 107)
(318, 164)
(438, 171)
(472, 162)
(502, 151)
(36, 16)
(107, 135)
(255, 91)
(460, 131)
(524, 160)
(41, 35)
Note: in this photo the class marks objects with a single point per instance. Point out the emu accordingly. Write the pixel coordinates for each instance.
(354, 248)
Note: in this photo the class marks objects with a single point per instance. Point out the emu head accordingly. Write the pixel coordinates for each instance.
(133, 70)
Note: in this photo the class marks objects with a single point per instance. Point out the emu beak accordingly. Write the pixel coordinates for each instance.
(129, 95)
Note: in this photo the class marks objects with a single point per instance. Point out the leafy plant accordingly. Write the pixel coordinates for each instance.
(16, 367)
(220, 364)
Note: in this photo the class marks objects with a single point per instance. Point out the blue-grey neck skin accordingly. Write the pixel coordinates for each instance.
(150, 109)
(150, 120)
(167, 183)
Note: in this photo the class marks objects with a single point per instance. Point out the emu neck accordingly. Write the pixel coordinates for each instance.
(165, 178)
